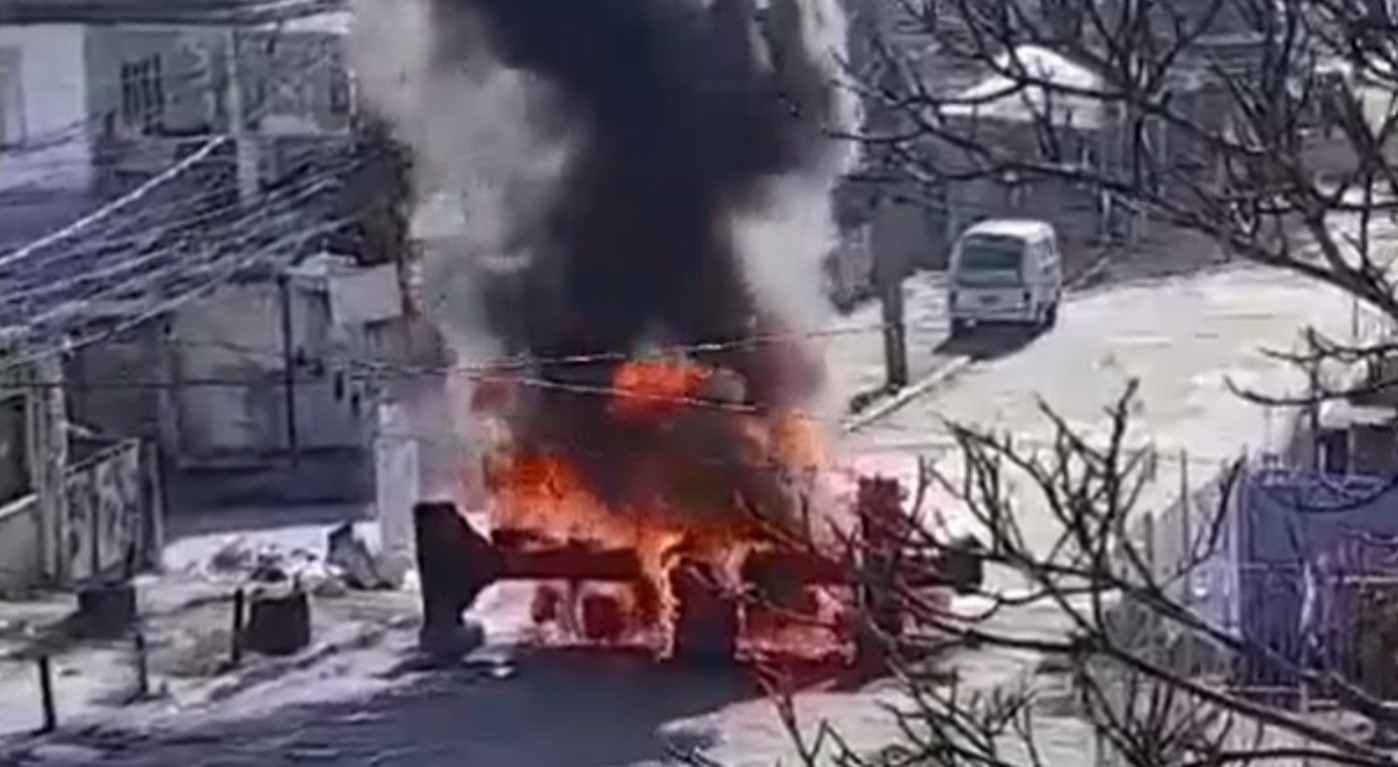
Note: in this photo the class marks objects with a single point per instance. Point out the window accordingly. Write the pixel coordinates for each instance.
(143, 93)
(12, 127)
(988, 260)
(341, 92)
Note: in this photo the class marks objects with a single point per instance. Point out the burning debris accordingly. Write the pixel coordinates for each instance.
(648, 446)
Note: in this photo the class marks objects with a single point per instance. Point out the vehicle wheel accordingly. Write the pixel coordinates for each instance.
(958, 327)
(1051, 315)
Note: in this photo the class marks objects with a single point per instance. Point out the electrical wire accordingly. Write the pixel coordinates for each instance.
(143, 245)
(183, 264)
(109, 211)
(77, 227)
(143, 255)
(275, 215)
(375, 372)
(183, 211)
(226, 269)
(145, 189)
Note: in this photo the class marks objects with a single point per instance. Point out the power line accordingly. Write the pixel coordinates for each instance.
(160, 226)
(104, 214)
(180, 265)
(371, 371)
(226, 270)
(282, 201)
(113, 207)
(137, 194)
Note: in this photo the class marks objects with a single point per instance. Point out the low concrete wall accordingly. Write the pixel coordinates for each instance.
(321, 477)
(20, 566)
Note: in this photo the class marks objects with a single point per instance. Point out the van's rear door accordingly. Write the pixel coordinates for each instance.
(991, 275)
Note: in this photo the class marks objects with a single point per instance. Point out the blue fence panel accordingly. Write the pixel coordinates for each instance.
(1306, 542)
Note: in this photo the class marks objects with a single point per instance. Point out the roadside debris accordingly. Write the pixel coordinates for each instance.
(349, 564)
(350, 555)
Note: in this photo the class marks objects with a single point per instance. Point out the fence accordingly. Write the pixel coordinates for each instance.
(1300, 568)
(1318, 565)
(113, 513)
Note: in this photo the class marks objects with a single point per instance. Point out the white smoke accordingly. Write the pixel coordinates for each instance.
(477, 156)
(784, 245)
(467, 122)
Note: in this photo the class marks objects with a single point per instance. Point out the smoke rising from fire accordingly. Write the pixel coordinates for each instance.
(626, 173)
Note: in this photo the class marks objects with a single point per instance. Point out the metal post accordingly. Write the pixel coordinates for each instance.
(142, 665)
(1187, 533)
(235, 643)
(46, 698)
(245, 146)
(1313, 414)
(46, 422)
(895, 344)
(288, 364)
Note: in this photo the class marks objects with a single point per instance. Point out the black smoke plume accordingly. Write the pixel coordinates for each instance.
(678, 118)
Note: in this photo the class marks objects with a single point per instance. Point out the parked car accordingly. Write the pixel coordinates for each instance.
(1005, 271)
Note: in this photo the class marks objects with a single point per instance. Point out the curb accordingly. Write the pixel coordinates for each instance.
(1080, 283)
(907, 394)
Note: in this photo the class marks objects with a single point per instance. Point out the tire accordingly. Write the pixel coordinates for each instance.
(958, 327)
(1051, 315)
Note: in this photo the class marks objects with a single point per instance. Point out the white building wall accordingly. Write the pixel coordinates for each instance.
(56, 151)
(232, 335)
(231, 362)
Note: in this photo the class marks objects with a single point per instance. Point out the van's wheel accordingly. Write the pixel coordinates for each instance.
(1051, 315)
(958, 327)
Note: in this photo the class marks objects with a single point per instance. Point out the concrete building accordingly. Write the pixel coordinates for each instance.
(96, 96)
(191, 348)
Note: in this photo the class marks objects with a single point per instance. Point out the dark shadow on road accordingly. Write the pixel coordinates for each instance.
(589, 710)
(987, 342)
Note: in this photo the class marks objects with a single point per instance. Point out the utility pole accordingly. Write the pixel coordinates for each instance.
(47, 424)
(889, 249)
(288, 366)
(888, 278)
(244, 145)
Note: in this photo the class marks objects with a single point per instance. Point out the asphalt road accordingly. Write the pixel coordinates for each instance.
(592, 710)
(1183, 340)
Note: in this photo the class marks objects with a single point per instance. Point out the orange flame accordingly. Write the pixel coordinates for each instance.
(674, 505)
(653, 388)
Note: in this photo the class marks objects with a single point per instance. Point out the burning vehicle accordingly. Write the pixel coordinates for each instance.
(776, 553)
(654, 462)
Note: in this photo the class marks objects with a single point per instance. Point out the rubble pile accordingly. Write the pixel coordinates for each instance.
(348, 564)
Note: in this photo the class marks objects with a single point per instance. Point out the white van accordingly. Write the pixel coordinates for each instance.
(1005, 270)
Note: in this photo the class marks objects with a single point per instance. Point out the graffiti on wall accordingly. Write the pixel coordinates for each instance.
(107, 509)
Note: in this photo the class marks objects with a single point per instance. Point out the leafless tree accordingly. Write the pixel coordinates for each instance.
(1097, 602)
(1263, 128)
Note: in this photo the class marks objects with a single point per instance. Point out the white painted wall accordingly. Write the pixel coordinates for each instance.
(234, 335)
(57, 153)
(230, 354)
(21, 567)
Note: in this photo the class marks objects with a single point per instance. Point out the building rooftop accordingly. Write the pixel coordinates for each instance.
(1008, 98)
(1011, 227)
